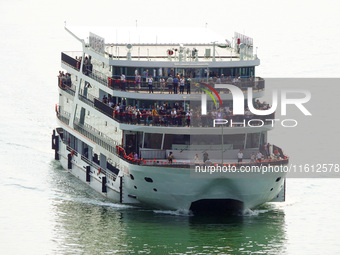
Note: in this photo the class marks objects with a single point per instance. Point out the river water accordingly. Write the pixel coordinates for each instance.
(45, 210)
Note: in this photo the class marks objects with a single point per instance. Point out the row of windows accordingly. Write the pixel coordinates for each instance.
(237, 141)
(130, 72)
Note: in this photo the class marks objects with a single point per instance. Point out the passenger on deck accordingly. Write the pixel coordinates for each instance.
(170, 157)
(181, 85)
(150, 81)
(170, 82)
(196, 160)
(138, 81)
(205, 157)
(188, 83)
(240, 156)
(252, 157)
(175, 82)
(162, 84)
(188, 116)
(154, 114)
(122, 81)
(259, 156)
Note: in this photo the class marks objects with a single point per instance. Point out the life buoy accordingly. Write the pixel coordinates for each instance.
(56, 108)
(99, 169)
(72, 152)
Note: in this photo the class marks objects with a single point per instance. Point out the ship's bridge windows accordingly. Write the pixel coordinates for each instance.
(130, 72)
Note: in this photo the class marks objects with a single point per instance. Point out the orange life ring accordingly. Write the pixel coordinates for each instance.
(72, 152)
(99, 169)
(56, 108)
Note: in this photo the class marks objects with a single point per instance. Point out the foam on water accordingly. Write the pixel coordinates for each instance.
(250, 213)
(179, 212)
(83, 200)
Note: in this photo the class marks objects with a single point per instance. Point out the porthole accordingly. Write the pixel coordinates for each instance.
(278, 179)
(271, 189)
(135, 187)
(148, 179)
(155, 190)
(132, 177)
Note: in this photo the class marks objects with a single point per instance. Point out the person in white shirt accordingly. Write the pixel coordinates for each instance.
(240, 156)
(162, 84)
(150, 80)
(173, 116)
(196, 160)
(252, 157)
(122, 81)
(181, 85)
(259, 156)
(189, 114)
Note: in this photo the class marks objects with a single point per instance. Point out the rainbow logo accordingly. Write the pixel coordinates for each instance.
(209, 93)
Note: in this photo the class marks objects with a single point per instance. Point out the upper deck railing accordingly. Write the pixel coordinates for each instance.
(164, 117)
(278, 159)
(74, 63)
(130, 84)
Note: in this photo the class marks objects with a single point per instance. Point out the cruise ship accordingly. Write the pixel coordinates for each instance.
(147, 121)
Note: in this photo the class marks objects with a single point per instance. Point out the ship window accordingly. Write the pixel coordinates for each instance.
(130, 71)
(170, 141)
(148, 179)
(213, 141)
(153, 141)
(253, 140)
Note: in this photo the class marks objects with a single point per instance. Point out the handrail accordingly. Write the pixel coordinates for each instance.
(179, 120)
(257, 84)
(105, 143)
(131, 85)
(107, 172)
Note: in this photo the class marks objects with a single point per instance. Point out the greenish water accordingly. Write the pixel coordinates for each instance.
(90, 224)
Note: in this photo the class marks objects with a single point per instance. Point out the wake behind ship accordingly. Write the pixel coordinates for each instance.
(137, 117)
